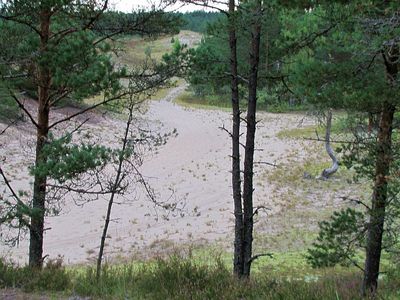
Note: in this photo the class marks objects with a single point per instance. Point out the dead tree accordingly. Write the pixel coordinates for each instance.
(328, 172)
(248, 187)
(122, 156)
(235, 136)
(243, 202)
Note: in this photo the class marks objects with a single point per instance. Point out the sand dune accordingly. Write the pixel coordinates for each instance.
(193, 167)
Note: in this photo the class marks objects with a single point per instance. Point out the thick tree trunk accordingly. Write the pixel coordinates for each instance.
(379, 200)
(380, 191)
(39, 184)
(236, 181)
(250, 143)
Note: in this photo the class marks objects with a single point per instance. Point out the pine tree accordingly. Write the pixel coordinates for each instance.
(64, 54)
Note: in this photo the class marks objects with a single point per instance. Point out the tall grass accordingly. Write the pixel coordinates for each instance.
(53, 277)
(182, 278)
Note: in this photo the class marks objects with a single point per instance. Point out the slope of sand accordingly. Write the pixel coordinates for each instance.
(192, 168)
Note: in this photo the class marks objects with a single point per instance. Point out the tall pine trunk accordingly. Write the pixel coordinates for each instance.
(379, 200)
(380, 191)
(39, 185)
(236, 181)
(248, 211)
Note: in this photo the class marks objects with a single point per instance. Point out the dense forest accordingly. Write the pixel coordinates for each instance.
(198, 21)
(250, 152)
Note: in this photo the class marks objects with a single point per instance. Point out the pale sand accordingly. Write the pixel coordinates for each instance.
(195, 165)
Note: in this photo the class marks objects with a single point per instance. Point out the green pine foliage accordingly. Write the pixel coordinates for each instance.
(8, 108)
(198, 21)
(339, 239)
(210, 67)
(67, 160)
(341, 65)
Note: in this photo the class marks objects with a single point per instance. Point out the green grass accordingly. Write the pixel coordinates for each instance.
(338, 128)
(283, 107)
(136, 50)
(223, 101)
(189, 100)
(180, 277)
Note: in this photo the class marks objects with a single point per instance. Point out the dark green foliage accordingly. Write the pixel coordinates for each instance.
(143, 23)
(209, 66)
(8, 108)
(80, 66)
(338, 239)
(209, 74)
(338, 61)
(349, 60)
(199, 21)
(66, 160)
(178, 58)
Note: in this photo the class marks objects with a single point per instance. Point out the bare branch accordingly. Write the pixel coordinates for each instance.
(266, 163)
(258, 208)
(253, 258)
(357, 202)
(208, 4)
(25, 110)
(226, 130)
(8, 126)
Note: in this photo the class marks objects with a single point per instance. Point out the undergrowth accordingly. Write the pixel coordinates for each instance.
(185, 278)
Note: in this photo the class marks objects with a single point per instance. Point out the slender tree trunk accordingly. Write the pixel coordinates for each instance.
(116, 184)
(236, 181)
(380, 191)
(250, 142)
(39, 185)
(326, 173)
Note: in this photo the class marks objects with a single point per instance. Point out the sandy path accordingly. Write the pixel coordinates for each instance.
(195, 165)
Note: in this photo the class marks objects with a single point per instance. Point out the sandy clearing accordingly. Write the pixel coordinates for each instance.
(195, 165)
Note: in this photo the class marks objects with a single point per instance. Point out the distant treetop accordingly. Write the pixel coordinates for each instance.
(198, 20)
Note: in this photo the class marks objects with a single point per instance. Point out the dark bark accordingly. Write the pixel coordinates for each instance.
(370, 123)
(250, 142)
(39, 184)
(236, 180)
(379, 200)
(380, 191)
